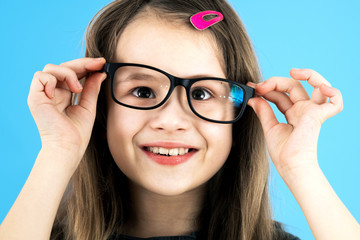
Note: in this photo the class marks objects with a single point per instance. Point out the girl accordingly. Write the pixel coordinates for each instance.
(140, 156)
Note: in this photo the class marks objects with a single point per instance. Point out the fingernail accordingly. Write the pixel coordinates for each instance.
(326, 85)
(251, 84)
(260, 84)
(99, 59)
(79, 85)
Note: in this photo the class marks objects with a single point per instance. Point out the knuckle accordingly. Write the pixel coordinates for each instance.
(52, 78)
(68, 72)
(30, 102)
(48, 66)
(338, 92)
(68, 63)
(72, 74)
(272, 79)
(341, 107)
(297, 83)
(37, 74)
(44, 77)
(310, 72)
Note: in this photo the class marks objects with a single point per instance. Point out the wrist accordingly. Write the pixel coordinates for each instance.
(59, 159)
(302, 171)
(303, 178)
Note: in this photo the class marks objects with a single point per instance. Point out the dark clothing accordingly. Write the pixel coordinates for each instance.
(282, 235)
(123, 237)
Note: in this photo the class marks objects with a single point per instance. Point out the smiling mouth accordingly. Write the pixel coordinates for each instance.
(169, 151)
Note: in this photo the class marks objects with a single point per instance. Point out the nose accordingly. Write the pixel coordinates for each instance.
(174, 115)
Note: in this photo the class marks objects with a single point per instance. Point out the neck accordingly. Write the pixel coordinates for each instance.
(158, 215)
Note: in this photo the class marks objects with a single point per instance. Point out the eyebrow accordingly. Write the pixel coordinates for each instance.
(145, 76)
(140, 76)
(136, 76)
(204, 76)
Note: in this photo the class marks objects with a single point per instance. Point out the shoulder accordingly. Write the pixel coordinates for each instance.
(281, 234)
(192, 236)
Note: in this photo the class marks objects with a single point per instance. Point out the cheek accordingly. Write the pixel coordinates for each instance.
(219, 143)
(122, 127)
(218, 133)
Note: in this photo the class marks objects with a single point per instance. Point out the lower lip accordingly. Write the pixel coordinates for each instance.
(169, 160)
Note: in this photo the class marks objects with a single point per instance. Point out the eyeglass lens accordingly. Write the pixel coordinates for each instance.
(144, 88)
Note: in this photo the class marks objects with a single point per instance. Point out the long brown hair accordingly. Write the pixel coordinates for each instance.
(237, 204)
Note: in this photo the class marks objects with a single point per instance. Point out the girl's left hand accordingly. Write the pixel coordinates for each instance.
(293, 145)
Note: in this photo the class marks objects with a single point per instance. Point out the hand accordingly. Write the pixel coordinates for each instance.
(63, 126)
(293, 145)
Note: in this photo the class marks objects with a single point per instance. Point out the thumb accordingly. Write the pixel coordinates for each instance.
(91, 91)
(264, 112)
(335, 104)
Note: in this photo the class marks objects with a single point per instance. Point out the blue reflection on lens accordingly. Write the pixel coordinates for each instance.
(237, 96)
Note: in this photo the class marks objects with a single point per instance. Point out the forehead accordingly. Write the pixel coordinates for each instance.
(171, 46)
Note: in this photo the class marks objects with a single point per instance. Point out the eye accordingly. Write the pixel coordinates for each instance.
(143, 92)
(200, 94)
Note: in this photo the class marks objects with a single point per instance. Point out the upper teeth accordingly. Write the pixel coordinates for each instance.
(171, 152)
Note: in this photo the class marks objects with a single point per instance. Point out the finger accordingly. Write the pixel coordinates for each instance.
(43, 82)
(317, 97)
(293, 87)
(314, 79)
(64, 74)
(309, 75)
(281, 100)
(251, 84)
(91, 91)
(264, 112)
(83, 66)
(335, 104)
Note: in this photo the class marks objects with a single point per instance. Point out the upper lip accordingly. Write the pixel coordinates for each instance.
(168, 145)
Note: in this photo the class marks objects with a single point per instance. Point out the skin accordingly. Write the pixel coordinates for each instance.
(293, 147)
(65, 131)
(172, 122)
(188, 55)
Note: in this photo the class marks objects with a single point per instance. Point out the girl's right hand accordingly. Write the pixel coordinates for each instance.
(65, 128)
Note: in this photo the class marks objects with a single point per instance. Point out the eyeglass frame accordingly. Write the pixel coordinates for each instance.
(111, 68)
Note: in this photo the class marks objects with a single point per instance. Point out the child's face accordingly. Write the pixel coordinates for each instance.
(185, 53)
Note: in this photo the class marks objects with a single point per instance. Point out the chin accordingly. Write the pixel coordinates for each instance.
(170, 187)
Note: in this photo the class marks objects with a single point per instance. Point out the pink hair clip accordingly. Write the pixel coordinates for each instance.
(199, 23)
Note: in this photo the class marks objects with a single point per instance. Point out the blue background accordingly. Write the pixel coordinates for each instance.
(322, 35)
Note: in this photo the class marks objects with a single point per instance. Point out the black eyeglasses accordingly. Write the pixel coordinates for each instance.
(144, 87)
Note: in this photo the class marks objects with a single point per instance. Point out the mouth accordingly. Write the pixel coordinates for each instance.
(169, 155)
(169, 151)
